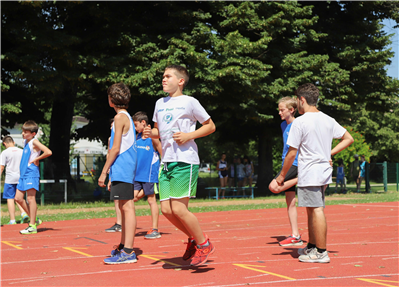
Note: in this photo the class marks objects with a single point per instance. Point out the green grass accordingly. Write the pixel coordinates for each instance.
(82, 213)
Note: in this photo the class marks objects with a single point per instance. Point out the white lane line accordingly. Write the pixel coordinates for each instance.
(257, 276)
(352, 263)
(202, 284)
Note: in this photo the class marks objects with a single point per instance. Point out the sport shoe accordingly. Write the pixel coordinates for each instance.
(291, 241)
(121, 258)
(152, 234)
(315, 257)
(38, 221)
(11, 223)
(304, 251)
(202, 253)
(190, 250)
(115, 251)
(25, 219)
(31, 229)
(116, 227)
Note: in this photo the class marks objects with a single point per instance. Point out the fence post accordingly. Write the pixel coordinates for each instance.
(397, 176)
(41, 164)
(385, 175)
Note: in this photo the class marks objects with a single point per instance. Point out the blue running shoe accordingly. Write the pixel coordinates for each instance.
(121, 258)
(25, 219)
(116, 251)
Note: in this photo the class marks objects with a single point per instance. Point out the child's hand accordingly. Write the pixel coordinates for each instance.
(101, 180)
(35, 162)
(181, 138)
(109, 185)
(147, 132)
(280, 180)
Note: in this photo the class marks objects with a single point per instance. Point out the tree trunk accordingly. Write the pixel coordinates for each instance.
(265, 174)
(60, 131)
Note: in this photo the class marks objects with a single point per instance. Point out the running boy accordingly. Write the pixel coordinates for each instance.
(121, 163)
(174, 119)
(311, 135)
(148, 151)
(287, 107)
(11, 158)
(29, 174)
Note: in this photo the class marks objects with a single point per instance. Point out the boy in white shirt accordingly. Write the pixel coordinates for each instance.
(175, 120)
(311, 135)
(11, 158)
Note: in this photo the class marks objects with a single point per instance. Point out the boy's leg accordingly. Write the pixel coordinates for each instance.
(31, 195)
(292, 212)
(152, 201)
(128, 222)
(167, 212)
(188, 219)
(20, 199)
(11, 208)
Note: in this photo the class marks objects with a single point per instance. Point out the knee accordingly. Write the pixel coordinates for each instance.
(166, 211)
(273, 187)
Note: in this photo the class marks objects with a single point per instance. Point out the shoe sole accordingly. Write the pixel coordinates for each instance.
(29, 233)
(206, 258)
(314, 261)
(110, 230)
(292, 244)
(121, 262)
(153, 237)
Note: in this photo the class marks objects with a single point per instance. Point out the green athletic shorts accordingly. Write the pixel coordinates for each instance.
(178, 180)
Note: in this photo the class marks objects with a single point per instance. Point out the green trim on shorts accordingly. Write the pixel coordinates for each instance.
(178, 180)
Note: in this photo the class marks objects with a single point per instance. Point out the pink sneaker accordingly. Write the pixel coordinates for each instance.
(291, 241)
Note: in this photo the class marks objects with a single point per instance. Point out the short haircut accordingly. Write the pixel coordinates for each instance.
(30, 126)
(140, 116)
(120, 95)
(289, 102)
(180, 72)
(8, 140)
(310, 92)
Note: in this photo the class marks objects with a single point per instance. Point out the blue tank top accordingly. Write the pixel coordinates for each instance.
(124, 167)
(286, 130)
(340, 172)
(147, 160)
(28, 155)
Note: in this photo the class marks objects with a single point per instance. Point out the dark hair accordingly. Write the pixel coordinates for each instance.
(180, 72)
(120, 95)
(140, 116)
(30, 126)
(8, 139)
(310, 92)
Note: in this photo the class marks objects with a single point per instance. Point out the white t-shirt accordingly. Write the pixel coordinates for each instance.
(174, 114)
(11, 158)
(312, 135)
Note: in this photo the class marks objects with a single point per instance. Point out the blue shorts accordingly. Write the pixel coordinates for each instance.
(25, 184)
(148, 187)
(9, 190)
(340, 180)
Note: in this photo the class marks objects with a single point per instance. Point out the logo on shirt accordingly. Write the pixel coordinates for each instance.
(168, 110)
(167, 118)
(160, 110)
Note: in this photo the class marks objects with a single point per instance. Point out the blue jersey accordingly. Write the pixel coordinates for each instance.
(147, 161)
(27, 170)
(363, 169)
(124, 167)
(286, 130)
(340, 172)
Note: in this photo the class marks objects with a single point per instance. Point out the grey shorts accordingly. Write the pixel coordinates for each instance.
(311, 196)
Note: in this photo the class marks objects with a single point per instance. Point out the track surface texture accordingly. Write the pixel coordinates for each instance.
(362, 244)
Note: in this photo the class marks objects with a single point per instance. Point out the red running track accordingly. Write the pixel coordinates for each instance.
(362, 241)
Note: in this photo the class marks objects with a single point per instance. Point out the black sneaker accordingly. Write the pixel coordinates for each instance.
(115, 228)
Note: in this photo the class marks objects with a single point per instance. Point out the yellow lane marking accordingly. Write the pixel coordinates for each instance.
(377, 281)
(73, 249)
(247, 266)
(12, 245)
(157, 259)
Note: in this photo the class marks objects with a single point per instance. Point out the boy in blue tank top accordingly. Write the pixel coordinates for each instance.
(29, 174)
(121, 163)
(148, 156)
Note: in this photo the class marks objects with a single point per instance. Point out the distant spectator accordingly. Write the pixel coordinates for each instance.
(249, 171)
(362, 172)
(221, 166)
(340, 177)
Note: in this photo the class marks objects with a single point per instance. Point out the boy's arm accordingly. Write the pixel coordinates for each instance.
(157, 146)
(346, 141)
(207, 128)
(288, 161)
(46, 151)
(119, 124)
(2, 169)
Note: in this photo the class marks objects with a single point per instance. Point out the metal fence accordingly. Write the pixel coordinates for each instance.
(381, 175)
